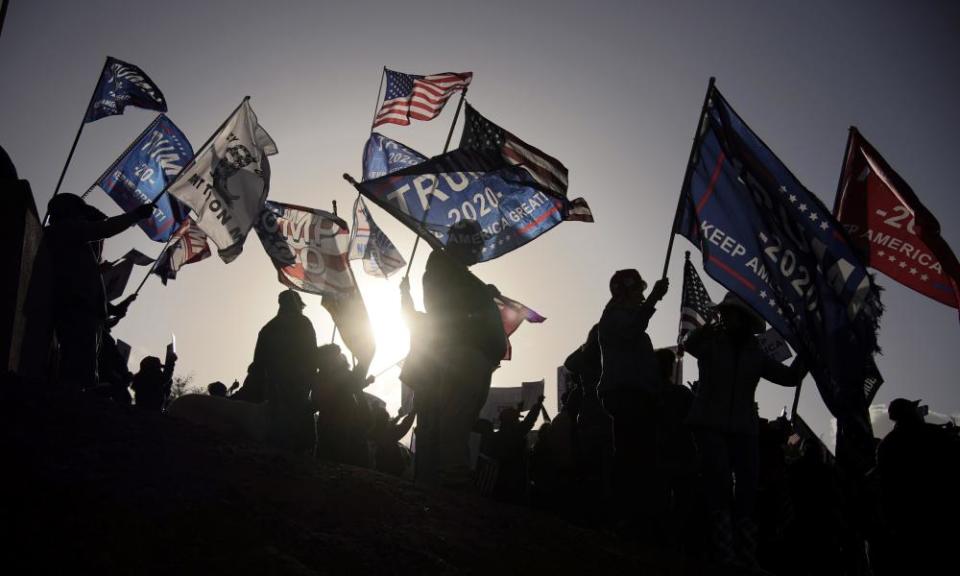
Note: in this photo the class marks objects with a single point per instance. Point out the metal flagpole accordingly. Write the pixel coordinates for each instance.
(76, 138)
(446, 146)
(686, 175)
(376, 105)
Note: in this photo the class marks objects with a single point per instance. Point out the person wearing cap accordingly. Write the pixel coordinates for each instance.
(454, 348)
(285, 362)
(917, 467)
(628, 386)
(72, 241)
(725, 422)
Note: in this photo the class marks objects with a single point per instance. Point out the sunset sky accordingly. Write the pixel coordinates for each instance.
(612, 89)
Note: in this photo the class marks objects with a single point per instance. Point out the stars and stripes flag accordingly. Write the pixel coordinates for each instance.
(696, 307)
(187, 245)
(418, 97)
(479, 133)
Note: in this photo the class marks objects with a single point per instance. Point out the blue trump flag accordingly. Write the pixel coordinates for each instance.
(511, 207)
(382, 156)
(121, 85)
(768, 239)
(152, 161)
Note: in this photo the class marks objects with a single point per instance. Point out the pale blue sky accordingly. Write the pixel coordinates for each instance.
(611, 88)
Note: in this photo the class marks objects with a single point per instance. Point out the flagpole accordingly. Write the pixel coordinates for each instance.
(376, 105)
(686, 175)
(333, 336)
(446, 146)
(157, 260)
(200, 150)
(76, 138)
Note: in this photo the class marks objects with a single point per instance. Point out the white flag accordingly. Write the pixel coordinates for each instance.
(369, 243)
(228, 181)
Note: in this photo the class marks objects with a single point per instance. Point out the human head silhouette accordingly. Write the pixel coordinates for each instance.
(290, 301)
(465, 242)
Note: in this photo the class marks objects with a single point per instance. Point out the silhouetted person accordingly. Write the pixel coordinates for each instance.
(917, 464)
(725, 422)
(455, 346)
(385, 435)
(677, 463)
(218, 389)
(285, 357)
(343, 417)
(151, 385)
(114, 375)
(510, 451)
(79, 301)
(629, 387)
(252, 389)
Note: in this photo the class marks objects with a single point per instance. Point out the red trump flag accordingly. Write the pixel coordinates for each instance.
(893, 232)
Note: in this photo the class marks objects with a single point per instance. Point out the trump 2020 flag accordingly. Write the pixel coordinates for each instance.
(308, 247)
(768, 239)
(891, 229)
(227, 183)
(122, 84)
(136, 178)
(187, 245)
(382, 156)
(478, 185)
(369, 243)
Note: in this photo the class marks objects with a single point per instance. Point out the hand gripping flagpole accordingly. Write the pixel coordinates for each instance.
(686, 176)
(446, 147)
(76, 138)
(167, 187)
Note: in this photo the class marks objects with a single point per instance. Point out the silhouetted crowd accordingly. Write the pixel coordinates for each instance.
(687, 468)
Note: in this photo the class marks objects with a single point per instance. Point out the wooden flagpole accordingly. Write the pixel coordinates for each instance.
(686, 175)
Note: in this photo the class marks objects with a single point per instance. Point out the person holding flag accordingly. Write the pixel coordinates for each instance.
(79, 302)
(455, 347)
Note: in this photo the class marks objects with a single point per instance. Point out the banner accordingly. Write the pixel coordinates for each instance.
(308, 247)
(382, 156)
(765, 237)
(136, 178)
(121, 85)
(891, 229)
(369, 244)
(228, 181)
(187, 245)
(115, 275)
(462, 185)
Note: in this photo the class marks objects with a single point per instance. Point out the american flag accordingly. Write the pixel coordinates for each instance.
(187, 245)
(696, 308)
(482, 134)
(418, 97)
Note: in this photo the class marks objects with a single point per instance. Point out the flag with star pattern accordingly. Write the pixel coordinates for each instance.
(891, 229)
(479, 133)
(418, 97)
(769, 240)
(696, 307)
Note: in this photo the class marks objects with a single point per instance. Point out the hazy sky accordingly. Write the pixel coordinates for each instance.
(611, 88)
